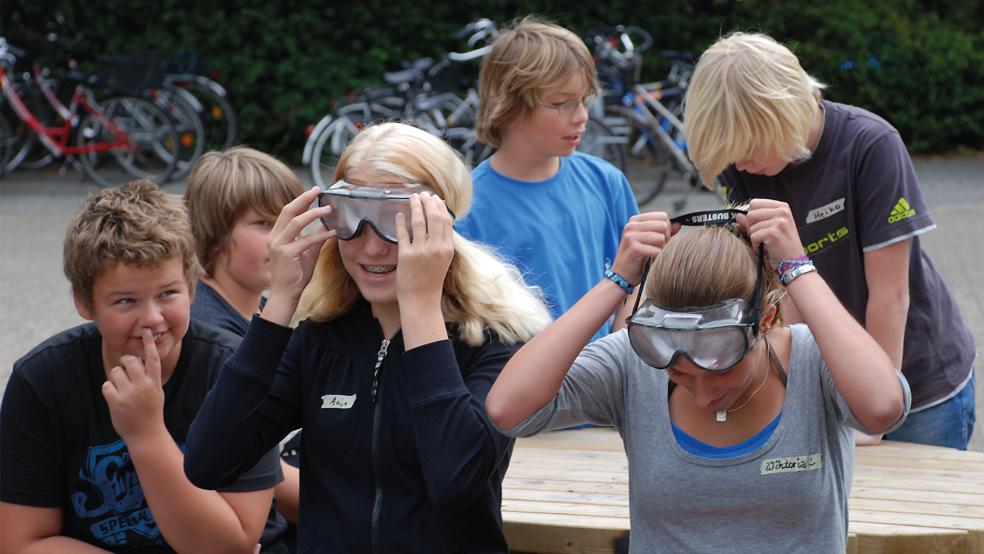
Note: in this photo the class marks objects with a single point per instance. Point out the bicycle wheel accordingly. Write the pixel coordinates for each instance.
(218, 115)
(151, 150)
(8, 142)
(349, 120)
(184, 110)
(599, 140)
(21, 148)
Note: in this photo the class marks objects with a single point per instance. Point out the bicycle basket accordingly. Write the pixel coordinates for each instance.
(133, 73)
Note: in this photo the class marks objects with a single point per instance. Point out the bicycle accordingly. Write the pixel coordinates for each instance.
(144, 74)
(647, 115)
(128, 133)
(421, 94)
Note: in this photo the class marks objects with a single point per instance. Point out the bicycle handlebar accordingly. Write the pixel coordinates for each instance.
(481, 29)
(626, 38)
(469, 55)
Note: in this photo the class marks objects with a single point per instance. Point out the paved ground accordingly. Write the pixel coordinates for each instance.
(36, 207)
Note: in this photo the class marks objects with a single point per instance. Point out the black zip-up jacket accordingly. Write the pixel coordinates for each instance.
(415, 466)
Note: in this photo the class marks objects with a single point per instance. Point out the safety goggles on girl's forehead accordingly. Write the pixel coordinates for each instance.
(354, 206)
(714, 337)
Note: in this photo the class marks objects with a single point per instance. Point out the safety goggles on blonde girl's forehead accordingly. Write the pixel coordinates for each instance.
(714, 338)
(354, 206)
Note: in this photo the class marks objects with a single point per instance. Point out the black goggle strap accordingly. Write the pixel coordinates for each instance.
(756, 297)
(642, 283)
(708, 218)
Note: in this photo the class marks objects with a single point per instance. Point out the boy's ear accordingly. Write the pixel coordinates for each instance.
(82, 308)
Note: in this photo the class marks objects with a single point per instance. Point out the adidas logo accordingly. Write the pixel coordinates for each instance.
(902, 210)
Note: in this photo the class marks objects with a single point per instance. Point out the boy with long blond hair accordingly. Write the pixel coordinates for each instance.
(756, 120)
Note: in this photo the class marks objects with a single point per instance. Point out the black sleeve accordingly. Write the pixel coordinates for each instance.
(459, 447)
(30, 458)
(254, 404)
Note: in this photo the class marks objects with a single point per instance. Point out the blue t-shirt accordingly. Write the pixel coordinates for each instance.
(561, 232)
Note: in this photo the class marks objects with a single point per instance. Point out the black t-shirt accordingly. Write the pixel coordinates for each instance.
(858, 193)
(58, 447)
(210, 307)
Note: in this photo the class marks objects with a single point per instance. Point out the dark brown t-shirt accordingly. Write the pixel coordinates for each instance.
(858, 193)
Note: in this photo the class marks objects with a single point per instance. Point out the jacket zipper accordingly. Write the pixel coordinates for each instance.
(377, 502)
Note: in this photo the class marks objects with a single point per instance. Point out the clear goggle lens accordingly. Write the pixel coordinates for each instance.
(355, 206)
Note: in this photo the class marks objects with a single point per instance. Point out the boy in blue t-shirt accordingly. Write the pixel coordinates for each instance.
(556, 213)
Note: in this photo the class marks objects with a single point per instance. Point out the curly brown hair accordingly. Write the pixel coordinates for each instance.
(138, 224)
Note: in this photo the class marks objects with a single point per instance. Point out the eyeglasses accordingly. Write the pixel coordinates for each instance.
(355, 206)
(714, 338)
(570, 106)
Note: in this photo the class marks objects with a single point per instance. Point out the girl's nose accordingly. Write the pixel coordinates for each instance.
(373, 244)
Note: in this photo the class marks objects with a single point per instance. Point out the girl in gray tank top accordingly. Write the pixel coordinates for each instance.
(738, 430)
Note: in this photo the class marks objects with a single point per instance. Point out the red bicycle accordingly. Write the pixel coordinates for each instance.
(115, 140)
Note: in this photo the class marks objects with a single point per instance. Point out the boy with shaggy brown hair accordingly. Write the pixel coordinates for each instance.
(93, 420)
(556, 213)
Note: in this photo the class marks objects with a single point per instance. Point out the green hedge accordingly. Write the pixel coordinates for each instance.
(918, 64)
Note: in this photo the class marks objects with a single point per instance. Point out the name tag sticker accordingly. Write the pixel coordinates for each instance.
(791, 464)
(825, 211)
(337, 401)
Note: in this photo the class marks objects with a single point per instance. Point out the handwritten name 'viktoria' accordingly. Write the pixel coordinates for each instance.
(793, 463)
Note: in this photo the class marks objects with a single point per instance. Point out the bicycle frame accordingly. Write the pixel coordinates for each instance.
(643, 107)
(56, 139)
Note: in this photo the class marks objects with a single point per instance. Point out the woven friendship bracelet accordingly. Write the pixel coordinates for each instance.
(792, 273)
(785, 265)
(619, 280)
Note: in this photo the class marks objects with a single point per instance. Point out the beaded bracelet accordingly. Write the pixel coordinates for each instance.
(792, 273)
(785, 265)
(619, 280)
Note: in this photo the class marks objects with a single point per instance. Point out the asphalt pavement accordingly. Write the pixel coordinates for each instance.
(35, 208)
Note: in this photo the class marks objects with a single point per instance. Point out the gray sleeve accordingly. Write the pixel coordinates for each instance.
(266, 474)
(835, 399)
(592, 391)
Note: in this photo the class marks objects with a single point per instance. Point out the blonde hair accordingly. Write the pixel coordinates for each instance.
(748, 96)
(707, 266)
(525, 59)
(480, 291)
(138, 224)
(222, 185)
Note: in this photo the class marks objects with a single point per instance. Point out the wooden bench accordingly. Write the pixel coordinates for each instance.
(567, 492)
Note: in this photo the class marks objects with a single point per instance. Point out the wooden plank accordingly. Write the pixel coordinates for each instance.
(565, 508)
(598, 438)
(921, 508)
(570, 486)
(912, 495)
(565, 496)
(915, 480)
(550, 539)
(879, 538)
(975, 533)
(577, 520)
